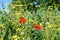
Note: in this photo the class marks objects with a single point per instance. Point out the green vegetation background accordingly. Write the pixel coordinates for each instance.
(46, 15)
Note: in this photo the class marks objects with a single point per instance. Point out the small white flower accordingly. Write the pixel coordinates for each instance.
(23, 16)
(28, 12)
(22, 33)
(40, 23)
(47, 23)
(28, 38)
(23, 38)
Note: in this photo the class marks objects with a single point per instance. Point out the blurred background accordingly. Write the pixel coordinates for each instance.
(29, 19)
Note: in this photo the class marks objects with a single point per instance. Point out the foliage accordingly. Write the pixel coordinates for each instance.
(12, 29)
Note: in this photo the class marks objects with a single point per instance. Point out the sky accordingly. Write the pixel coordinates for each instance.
(4, 2)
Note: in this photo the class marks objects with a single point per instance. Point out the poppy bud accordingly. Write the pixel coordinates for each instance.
(22, 20)
(38, 27)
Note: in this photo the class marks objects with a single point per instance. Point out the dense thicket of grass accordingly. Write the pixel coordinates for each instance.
(47, 16)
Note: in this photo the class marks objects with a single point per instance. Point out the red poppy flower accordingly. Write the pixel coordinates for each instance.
(38, 27)
(22, 20)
